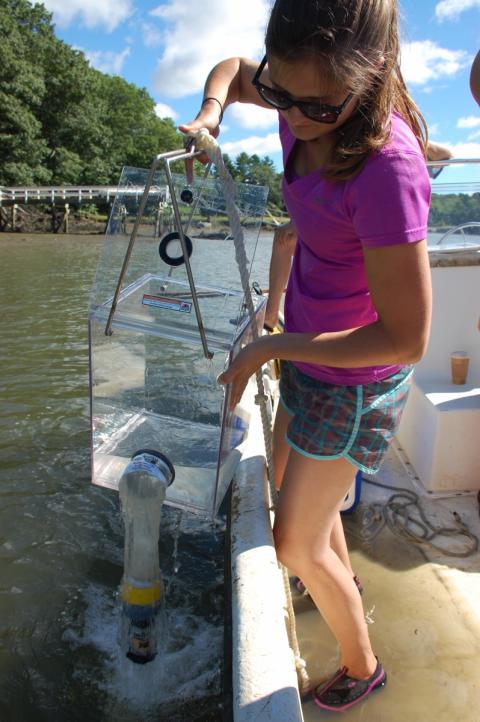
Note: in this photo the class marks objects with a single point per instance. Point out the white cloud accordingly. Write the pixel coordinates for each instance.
(463, 150)
(254, 144)
(165, 111)
(152, 36)
(107, 61)
(448, 9)
(424, 61)
(472, 121)
(106, 14)
(195, 41)
(474, 136)
(251, 116)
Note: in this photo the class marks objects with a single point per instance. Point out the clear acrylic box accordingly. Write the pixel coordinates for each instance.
(153, 386)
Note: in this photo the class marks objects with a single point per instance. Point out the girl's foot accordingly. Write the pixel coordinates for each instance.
(342, 691)
(299, 585)
(302, 589)
(358, 583)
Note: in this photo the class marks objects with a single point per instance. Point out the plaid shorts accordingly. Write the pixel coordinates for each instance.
(354, 422)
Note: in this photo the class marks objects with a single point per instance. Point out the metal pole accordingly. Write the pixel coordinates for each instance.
(177, 155)
(194, 207)
(133, 238)
(176, 211)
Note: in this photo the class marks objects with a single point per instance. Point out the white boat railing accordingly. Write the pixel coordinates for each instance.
(469, 224)
(462, 235)
(264, 680)
(452, 161)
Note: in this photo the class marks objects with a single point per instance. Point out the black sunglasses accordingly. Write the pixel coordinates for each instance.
(320, 112)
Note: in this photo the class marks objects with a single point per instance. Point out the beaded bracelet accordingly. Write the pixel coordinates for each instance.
(221, 107)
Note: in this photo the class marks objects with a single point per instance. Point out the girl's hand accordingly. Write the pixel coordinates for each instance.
(271, 315)
(246, 363)
(208, 117)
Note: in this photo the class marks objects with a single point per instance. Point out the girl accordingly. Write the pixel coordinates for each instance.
(357, 309)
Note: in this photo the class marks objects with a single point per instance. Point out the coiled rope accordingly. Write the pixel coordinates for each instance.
(205, 142)
(403, 514)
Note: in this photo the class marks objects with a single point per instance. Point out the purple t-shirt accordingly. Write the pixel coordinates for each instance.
(386, 203)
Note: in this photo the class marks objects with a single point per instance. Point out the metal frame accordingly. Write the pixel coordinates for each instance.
(166, 158)
(452, 161)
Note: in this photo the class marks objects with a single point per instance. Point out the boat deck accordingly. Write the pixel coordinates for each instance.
(422, 607)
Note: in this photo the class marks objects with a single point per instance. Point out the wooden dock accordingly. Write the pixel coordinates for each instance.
(14, 199)
(56, 194)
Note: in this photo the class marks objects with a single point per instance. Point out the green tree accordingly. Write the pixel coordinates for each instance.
(62, 121)
(25, 33)
(453, 209)
(242, 167)
(136, 134)
(72, 116)
(260, 171)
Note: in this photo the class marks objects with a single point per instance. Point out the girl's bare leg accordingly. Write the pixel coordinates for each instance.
(280, 457)
(280, 447)
(310, 498)
(339, 543)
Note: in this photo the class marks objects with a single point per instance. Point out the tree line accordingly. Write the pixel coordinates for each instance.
(453, 209)
(63, 122)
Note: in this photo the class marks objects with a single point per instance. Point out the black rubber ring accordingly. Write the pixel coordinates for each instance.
(159, 455)
(164, 243)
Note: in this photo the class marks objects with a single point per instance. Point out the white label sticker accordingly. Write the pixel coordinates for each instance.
(171, 304)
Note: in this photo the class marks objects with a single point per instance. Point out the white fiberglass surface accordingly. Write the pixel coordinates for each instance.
(422, 610)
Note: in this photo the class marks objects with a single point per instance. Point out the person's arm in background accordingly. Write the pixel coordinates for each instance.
(475, 88)
(283, 248)
(475, 78)
(435, 151)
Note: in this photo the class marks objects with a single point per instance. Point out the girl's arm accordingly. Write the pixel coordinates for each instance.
(283, 248)
(230, 81)
(400, 285)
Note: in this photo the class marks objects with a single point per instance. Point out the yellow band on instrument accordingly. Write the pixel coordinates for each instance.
(142, 596)
(275, 362)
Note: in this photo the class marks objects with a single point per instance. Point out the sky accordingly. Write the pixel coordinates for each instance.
(169, 46)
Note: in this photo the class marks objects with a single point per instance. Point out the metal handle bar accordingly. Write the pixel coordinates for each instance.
(167, 157)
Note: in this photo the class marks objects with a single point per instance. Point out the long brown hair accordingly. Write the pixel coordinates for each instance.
(358, 43)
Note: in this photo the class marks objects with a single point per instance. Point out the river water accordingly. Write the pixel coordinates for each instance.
(61, 538)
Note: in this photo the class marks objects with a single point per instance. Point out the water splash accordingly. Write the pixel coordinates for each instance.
(187, 669)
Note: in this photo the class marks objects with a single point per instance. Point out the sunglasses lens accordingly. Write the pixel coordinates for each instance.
(314, 111)
(319, 115)
(278, 100)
